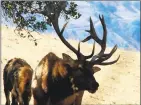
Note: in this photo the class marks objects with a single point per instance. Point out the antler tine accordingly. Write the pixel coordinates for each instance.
(60, 34)
(103, 42)
(86, 39)
(78, 53)
(108, 63)
(63, 28)
(89, 56)
(85, 57)
(98, 59)
(93, 34)
(105, 56)
(112, 51)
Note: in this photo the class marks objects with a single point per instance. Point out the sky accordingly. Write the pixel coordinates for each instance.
(122, 20)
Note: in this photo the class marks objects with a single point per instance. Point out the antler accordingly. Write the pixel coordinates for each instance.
(80, 56)
(100, 57)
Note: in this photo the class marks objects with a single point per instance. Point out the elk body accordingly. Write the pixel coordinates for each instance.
(17, 78)
(59, 81)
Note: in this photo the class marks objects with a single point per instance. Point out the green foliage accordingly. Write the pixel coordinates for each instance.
(20, 10)
(24, 13)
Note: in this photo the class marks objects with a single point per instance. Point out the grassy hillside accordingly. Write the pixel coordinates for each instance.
(119, 83)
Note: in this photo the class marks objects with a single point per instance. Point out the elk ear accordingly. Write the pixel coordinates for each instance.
(96, 69)
(67, 59)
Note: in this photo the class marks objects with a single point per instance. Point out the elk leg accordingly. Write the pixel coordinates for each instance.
(26, 97)
(34, 102)
(21, 101)
(78, 100)
(20, 98)
(14, 100)
(38, 96)
(39, 102)
(7, 92)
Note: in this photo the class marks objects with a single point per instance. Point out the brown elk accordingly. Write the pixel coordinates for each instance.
(63, 81)
(17, 78)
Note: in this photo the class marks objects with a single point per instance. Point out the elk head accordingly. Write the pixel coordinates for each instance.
(81, 69)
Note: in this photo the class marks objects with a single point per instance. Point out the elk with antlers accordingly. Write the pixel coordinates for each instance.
(63, 81)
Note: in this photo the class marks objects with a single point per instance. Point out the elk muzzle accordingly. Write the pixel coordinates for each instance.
(93, 86)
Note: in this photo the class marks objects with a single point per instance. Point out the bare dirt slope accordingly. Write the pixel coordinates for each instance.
(119, 83)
